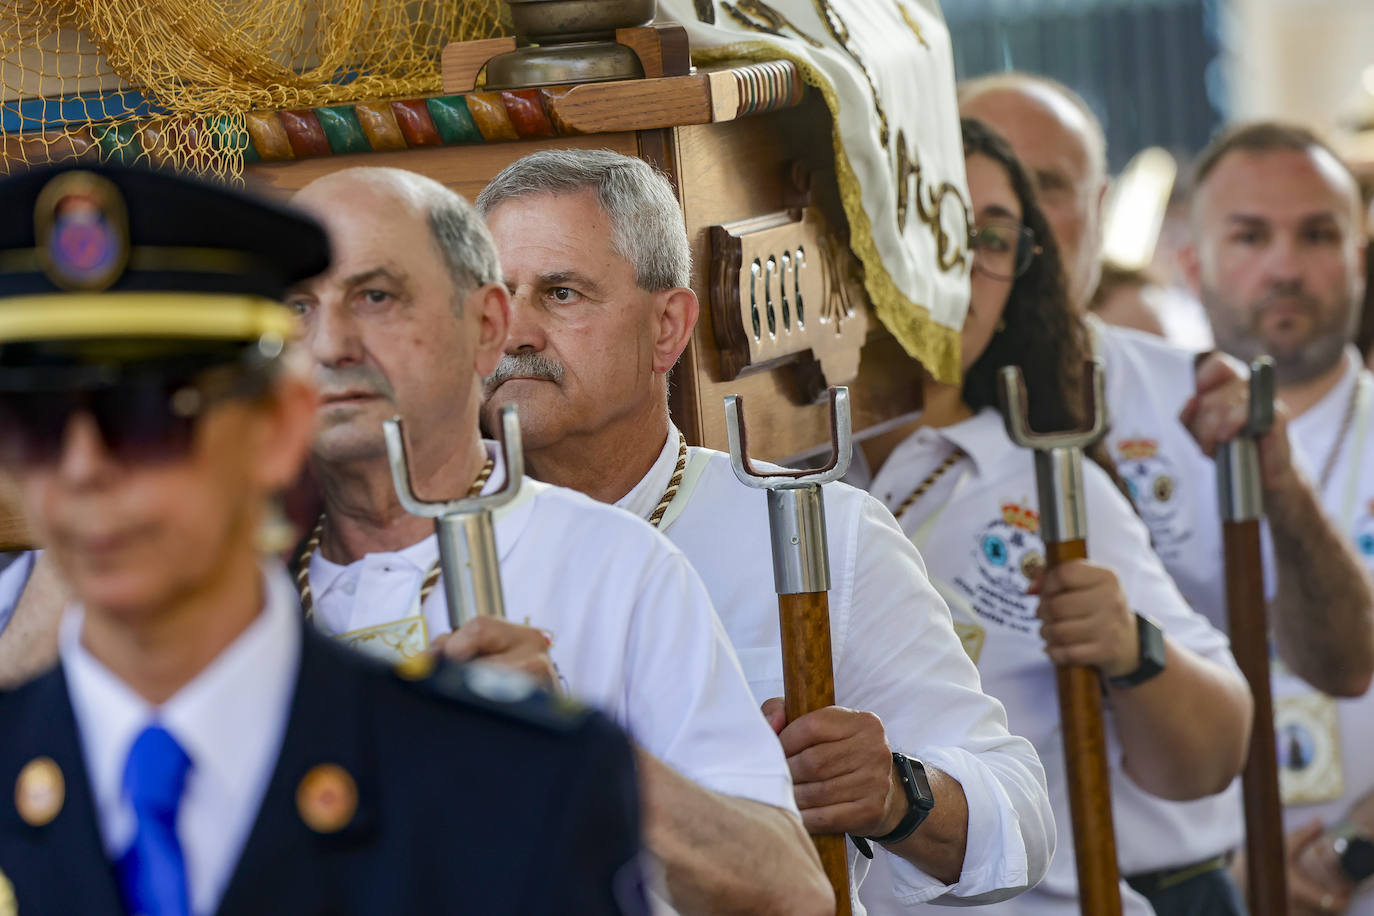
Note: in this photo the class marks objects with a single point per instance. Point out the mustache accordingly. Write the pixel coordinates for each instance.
(359, 379)
(1285, 294)
(523, 365)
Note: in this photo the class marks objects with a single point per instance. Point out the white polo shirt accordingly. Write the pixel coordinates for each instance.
(895, 654)
(632, 629)
(1326, 745)
(977, 528)
(1147, 382)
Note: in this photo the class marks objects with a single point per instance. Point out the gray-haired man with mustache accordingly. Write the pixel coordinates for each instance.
(409, 319)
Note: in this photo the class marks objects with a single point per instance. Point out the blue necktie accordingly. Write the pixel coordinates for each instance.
(152, 873)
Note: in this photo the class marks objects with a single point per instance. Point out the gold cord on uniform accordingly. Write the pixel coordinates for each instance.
(312, 544)
(656, 517)
(929, 482)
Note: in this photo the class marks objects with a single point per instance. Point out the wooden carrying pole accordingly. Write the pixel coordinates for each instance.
(1241, 496)
(801, 573)
(1063, 526)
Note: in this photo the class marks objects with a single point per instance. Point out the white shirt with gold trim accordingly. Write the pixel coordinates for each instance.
(1326, 745)
(632, 629)
(895, 654)
(978, 529)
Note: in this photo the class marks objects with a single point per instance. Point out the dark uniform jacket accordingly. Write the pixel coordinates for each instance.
(470, 799)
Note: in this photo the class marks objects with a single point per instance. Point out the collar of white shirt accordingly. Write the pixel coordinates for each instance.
(643, 499)
(230, 719)
(326, 575)
(982, 437)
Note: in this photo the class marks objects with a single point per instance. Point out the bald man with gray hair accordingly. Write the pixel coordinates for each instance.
(1169, 410)
(409, 319)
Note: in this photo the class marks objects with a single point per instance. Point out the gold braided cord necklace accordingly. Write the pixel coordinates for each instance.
(656, 517)
(312, 544)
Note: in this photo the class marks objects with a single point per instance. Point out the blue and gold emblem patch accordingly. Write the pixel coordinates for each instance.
(82, 229)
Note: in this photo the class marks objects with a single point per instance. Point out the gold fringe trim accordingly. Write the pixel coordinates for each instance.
(932, 344)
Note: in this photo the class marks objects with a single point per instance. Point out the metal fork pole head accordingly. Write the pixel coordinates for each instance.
(1058, 456)
(796, 502)
(464, 527)
(1239, 486)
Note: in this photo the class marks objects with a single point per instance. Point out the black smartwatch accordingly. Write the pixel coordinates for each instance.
(1151, 661)
(919, 802)
(1355, 852)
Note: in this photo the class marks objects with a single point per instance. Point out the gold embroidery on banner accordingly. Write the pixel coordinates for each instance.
(840, 32)
(971, 637)
(913, 25)
(748, 13)
(951, 250)
(390, 642)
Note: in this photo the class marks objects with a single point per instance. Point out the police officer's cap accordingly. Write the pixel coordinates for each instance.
(104, 256)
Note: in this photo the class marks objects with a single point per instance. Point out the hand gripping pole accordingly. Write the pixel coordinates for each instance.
(467, 538)
(801, 574)
(1063, 527)
(1242, 506)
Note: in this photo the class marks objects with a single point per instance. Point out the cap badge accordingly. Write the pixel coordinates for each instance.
(82, 229)
(39, 791)
(327, 798)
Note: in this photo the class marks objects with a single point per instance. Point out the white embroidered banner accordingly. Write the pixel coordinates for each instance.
(886, 70)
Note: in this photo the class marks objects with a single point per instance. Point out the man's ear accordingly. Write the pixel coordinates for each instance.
(677, 315)
(491, 302)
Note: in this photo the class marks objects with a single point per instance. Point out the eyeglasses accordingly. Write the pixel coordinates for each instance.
(1003, 248)
(144, 415)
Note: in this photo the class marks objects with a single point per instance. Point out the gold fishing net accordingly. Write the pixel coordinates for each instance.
(170, 80)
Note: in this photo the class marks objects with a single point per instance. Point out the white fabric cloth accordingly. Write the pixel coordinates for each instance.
(230, 720)
(895, 654)
(632, 629)
(869, 60)
(1349, 500)
(978, 530)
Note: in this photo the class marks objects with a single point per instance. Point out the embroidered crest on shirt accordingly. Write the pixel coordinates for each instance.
(1154, 485)
(1008, 556)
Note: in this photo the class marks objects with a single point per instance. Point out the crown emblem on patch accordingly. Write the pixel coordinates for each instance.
(81, 227)
(1137, 449)
(1021, 517)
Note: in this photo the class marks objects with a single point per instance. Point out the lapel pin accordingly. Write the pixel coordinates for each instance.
(327, 798)
(39, 791)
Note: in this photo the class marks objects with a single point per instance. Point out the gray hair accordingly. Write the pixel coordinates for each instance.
(646, 219)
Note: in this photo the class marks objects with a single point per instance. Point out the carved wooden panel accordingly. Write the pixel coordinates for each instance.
(783, 285)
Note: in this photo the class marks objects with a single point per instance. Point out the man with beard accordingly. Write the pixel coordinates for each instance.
(596, 257)
(1169, 409)
(408, 319)
(1278, 261)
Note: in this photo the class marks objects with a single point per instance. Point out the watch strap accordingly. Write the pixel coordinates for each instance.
(1151, 654)
(916, 785)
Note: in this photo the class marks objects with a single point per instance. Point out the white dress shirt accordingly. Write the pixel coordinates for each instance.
(230, 720)
(1333, 770)
(894, 653)
(978, 530)
(632, 630)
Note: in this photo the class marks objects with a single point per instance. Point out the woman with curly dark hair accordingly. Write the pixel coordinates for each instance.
(966, 495)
